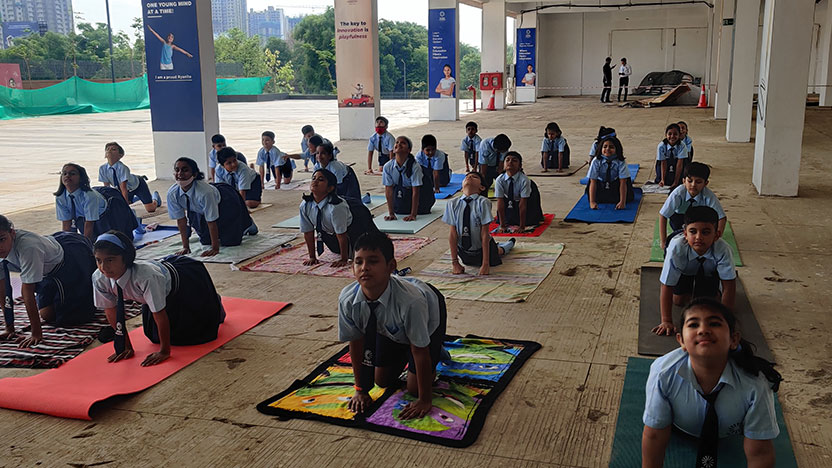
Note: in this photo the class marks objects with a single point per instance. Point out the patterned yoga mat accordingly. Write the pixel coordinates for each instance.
(466, 387)
(290, 260)
(522, 271)
(250, 247)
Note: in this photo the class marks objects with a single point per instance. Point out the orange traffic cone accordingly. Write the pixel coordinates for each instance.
(491, 101)
(703, 98)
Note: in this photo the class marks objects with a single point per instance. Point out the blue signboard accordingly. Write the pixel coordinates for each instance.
(525, 72)
(173, 73)
(15, 29)
(442, 53)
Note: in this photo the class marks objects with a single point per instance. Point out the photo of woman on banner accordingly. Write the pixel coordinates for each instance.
(166, 60)
(446, 85)
(530, 76)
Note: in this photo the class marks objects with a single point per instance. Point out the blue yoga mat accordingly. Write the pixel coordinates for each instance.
(453, 187)
(606, 212)
(633, 173)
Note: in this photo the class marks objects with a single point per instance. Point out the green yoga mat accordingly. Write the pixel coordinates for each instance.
(657, 255)
(681, 451)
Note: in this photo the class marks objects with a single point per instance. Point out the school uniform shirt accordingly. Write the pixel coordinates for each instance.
(480, 216)
(665, 151)
(680, 200)
(89, 204)
(387, 142)
(274, 157)
(336, 219)
(392, 173)
(244, 177)
(105, 175)
(625, 70)
(470, 144)
(437, 162)
(204, 198)
(146, 282)
(745, 404)
(336, 167)
(522, 186)
(33, 256)
(598, 169)
(688, 141)
(680, 259)
(304, 145)
(558, 145)
(408, 312)
(219, 171)
(488, 154)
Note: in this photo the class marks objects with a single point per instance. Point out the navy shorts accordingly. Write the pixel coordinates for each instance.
(142, 192)
(474, 259)
(383, 159)
(285, 170)
(707, 287)
(255, 192)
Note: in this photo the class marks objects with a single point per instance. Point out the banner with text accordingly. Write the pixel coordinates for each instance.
(525, 72)
(173, 72)
(354, 39)
(442, 53)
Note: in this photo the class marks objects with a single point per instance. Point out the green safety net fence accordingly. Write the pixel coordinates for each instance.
(77, 96)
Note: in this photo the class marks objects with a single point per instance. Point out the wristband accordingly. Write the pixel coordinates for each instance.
(357, 388)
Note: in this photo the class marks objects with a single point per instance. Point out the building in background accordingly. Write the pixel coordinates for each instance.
(49, 15)
(291, 22)
(268, 23)
(228, 14)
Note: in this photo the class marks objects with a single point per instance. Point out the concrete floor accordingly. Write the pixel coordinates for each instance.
(561, 408)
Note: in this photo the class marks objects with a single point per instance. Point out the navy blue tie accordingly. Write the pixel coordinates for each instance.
(115, 177)
(466, 225)
(366, 380)
(268, 165)
(8, 304)
(379, 145)
(74, 211)
(319, 226)
(706, 455)
(471, 147)
(510, 193)
(234, 180)
(609, 173)
(400, 185)
(119, 342)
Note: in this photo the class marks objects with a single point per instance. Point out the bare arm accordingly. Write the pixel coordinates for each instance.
(388, 193)
(720, 228)
(759, 453)
(66, 226)
(214, 232)
(182, 225)
(163, 327)
(309, 238)
(663, 231)
(361, 400)
(424, 382)
(453, 242)
(124, 192)
(501, 212)
(174, 47)
(435, 181)
(622, 194)
(36, 336)
(344, 245)
(593, 186)
(414, 203)
(653, 445)
(155, 34)
(89, 230)
(679, 164)
(485, 238)
(664, 171)
(666, 307)
(524, 203)
(729, 292)
(128, 346)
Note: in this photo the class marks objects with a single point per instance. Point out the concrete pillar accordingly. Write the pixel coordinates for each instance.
(526, 45)
(714, 22)
(723, 72)
(743, 55)
(443, 49)
(494, 47)
(826, 53)
(781, 104)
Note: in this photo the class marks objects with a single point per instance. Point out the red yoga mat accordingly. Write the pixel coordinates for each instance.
(547, 220)
(70, 390)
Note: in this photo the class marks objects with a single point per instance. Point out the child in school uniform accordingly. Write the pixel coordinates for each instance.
(346, 180)
(180, 305)
(381, 141)
(603, 134)
(116, 174)
(491, 154)
(554, 152)
(241, 177)
(407, 185)
(216, 170)
(215, 211)
(696, 265)
(609, 177)
(686, 139)
(712, 387)
(338, 222)
(274, 163)
(518, 198)
(693, 191)
(389, 322)
(469, 217)
(435, 161)
(56, 274)
(470, 147)
(308, 131)
(89, 211)
(670, 158)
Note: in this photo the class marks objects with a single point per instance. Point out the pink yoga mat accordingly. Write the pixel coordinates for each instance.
(70, 390)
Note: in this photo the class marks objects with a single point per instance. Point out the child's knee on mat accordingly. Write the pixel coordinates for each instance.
(386, 377)
(47, 314)
(252, 203)
(413, 383)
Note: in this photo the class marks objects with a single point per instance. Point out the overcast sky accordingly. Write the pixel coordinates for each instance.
(122, 13)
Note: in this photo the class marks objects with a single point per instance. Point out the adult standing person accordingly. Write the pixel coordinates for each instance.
(605, 94)
(624, 73)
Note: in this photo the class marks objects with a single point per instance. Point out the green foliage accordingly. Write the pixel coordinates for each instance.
(282, 73)
(469, 69)
(314, 53)
(234, 46)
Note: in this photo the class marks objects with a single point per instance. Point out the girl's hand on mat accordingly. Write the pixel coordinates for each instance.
(7, 334)
(484, 270)
(360, 402)
(661, 183)
(126, 354)
(340, 263)
(458, 268)
(30, 341)
(311, 261)
(621, 205)
(183, 252)
(415, 409)
(665, 328)
(155, 358)
(390, 217)
(593, 205)
(409, 217)
(210, 252)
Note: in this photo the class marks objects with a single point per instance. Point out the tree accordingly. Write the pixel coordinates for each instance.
(234, 46)
(276, 44)
(469, 69)
(282, 74)
(314, 53)
(138, 45)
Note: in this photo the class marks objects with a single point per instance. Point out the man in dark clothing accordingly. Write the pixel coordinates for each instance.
(605, 94)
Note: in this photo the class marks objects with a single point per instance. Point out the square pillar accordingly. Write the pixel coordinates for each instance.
(826, 53)
(494, 47)
(711, 65)
(525, 57)
(723, 53)
(743, 55)
(781, 104)
(443, 52)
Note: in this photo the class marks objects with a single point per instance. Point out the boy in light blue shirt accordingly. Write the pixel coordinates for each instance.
(492, 151)
(470, 147)
(274, 162)
(435, 161)
(693, 192)
(117, 175)
(243, 178)
(381, 141)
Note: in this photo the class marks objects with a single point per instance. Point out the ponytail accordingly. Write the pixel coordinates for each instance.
(745, 359)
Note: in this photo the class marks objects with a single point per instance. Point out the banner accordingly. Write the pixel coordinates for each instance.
(15, 29)
(173, 72)
(354, 39)
(525, 72)
(441, 53)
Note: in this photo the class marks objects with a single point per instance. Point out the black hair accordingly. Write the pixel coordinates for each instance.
(605, 132)
(624, 59)
(698, 169)
(316, 140)
(515, 154)
(428, 140)
(449, 66)
(619, 150)
(225, 154)
(743, 356)
(608, 59)
(327, 148)
(375, 240)
(198, 175)
(409, 143)
(669, 128)
(268, 134)
(6, 224)
(680, 123)
(701, 214)
(306, 129)
(128, 253)
(217, 139)
(331, 181)
(118, 146)
(553, 127)
(85, 179)
(471, 124)
(502, 142)
(383, 119)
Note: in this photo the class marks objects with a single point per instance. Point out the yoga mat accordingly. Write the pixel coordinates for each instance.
(606, 212)
(655, 188)
(17, 286)
(633, 174)
(70, 390)
(294, 221)
(399, 226)
(681, 451)
(157, 235)
(536, 232)
(261, 206)
(453, 187)
(250, 247)
(465, 389)
(657, 254)
(60, 344)
(138, 208)
(522, 271)
(571, 170)
(302, 184)
(649, 316)
(290, 261)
